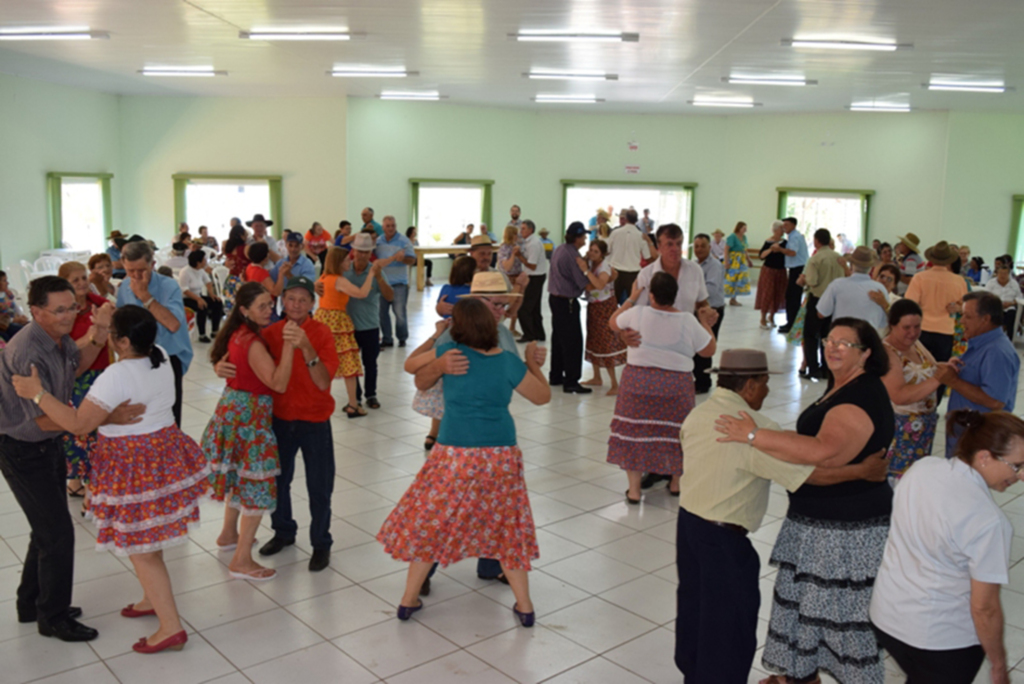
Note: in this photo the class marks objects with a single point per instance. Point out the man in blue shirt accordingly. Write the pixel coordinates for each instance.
(365, 313)
(161, 296)
(849, 297)
(796, 258)
(300, 263)
(368, 222)
(988, 370)
(117, 241)
(394, 252)
(714, 279)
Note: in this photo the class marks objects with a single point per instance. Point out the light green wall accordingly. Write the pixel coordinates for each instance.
(46, 127)
(738, 161)
(300, 139)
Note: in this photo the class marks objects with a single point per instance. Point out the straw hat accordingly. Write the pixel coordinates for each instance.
(490, 283)
(363, 243)
(863, 257)
(480, 241)
(912, 242)
(744, 362)
(941, 254)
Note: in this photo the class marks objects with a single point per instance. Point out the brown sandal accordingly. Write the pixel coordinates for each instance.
(354, 411)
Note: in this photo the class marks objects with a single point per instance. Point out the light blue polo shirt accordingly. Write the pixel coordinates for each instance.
(796, 242)
(167, 294)
(398, 272)
(303, 267)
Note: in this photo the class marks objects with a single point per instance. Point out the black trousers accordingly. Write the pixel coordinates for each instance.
(428, 268)
(794, 293)
(624, 284)
(36, 472)
(214, 311)
(1009, 317)
(369, 349)
(701, 377)
(956, 666)
(941, 347)
(178, 375)
(317, 446)
(718, 599)
(815, 332)
(531, 319)
(566, 341)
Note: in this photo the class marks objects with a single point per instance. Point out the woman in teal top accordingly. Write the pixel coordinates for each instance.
(469, 499)
(736, 264)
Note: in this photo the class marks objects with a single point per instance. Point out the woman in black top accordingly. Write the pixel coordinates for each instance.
(771, 284)
(831, 543)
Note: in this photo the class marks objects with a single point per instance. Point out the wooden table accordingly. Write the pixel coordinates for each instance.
(438, 249)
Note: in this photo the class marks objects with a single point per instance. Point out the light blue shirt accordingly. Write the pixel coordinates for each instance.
(714, 278)
(302, 267)
(397, 273)
(167, 294)
(991, 364)
(848, 297)
(796, 242)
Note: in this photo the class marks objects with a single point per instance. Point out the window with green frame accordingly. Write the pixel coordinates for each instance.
(182, 182)
(668, 202)
(441, 208)
(1016, 246)
(842, 212)
(79, 210)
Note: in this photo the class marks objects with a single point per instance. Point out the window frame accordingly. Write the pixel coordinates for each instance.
(682, 185)
(865, 195)
(486, 202)
(54, 203)
(181, 181)
(1016, 216)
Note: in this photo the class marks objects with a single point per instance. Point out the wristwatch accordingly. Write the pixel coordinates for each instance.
(39, 397)
(149, 302)
(311, 364)
(751, 435)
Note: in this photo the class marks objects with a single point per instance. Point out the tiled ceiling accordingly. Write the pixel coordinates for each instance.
(462, 49)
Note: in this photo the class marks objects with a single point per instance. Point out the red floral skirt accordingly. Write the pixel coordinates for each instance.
(604, 347)
(466, 502)
(771, 290)
(145, 490)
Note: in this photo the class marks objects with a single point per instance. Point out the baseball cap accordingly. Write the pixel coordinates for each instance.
(294, 236)
(300, 281)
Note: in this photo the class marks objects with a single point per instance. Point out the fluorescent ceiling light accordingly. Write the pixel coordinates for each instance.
(281, 34)
(198, 71)
(410, 95)
(878, 107)
(52, 33)
(845, 45)
(708, 102)
(575, 36)
(967, 87)
(769, 80)
(571, 75)
(347, 72)
(567, 99)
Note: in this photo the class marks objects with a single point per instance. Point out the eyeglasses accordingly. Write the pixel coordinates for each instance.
(62, 311)
(496, 305)
(1016, 467)
(843, 344)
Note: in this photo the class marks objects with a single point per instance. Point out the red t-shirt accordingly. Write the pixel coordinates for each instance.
(238, 353)
(82, 324)
(256, 274)
(317, 243)
(238, 262)
(303, 400)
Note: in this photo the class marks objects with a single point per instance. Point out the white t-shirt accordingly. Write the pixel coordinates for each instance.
(1010, 292)
(608, 291)
(136, 380)
(627, 246)
(533, 252)
(692, 288)
(194, 279)
(668, 339)
(946, 530)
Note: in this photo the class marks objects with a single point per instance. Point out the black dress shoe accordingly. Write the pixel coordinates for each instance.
(576, 389)
(275, 545)
(27, 616)
(783, 330)
(401, 343)
(651, 479)
(555, 383)
(385, 345)
(425, 587)
(320, 560)
(68, 629)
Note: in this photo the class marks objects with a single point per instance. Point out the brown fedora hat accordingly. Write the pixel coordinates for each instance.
(744, 362)
(863, 257)
(941, 254)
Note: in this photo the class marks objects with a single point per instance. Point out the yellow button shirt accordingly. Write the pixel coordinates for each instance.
(729, 482)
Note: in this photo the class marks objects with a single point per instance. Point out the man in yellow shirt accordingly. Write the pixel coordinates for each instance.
(822, 268)
(724, 497)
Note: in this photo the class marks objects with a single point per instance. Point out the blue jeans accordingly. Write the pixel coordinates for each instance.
(318, 455)
(401, 319)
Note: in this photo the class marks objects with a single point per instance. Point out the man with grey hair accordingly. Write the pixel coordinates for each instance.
(849, 297)
(394, 252)
(161, 296)
(535, 265)
(368, 222)
(628, 247)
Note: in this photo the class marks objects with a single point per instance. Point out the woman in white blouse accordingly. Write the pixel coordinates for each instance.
(935, 606)
(1007, 289)
(200, 297)
(605, 349)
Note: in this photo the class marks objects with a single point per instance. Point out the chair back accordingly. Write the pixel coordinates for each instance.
(48, 264)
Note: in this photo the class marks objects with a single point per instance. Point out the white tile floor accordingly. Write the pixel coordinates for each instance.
(603, 587)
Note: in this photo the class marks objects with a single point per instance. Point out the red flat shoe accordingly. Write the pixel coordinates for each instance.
(130, 612)
(175, 642)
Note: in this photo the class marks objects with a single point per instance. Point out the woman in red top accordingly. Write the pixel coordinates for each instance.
(236, 260)
(258, 270)
(239, 440)
(317, 241)
(91, 327)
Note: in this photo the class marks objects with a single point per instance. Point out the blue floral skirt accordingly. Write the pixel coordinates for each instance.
(915, 434)
(77, 447)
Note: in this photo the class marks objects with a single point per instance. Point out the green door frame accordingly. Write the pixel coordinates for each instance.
(865, 207)
(486, 207)
(570, 182)
(1016, 218)
(54, 208)
(181, 181)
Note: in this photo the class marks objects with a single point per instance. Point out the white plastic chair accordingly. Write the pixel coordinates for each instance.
(48, 264)
(220, 275)
(1016, 322)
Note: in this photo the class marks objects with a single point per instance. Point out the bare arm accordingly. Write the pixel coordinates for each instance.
(343, 284)
(423, 354)
(987, 614)
(534, 386)
(900, 393)
(262, 364)
(874, 468)
(452, 362)
(80, 421)
(975, 394)
(385, 287)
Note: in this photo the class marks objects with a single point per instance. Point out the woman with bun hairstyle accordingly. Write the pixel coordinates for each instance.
(935, 606)
(147, 478)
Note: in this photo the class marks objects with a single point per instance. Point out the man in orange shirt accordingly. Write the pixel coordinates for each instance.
(302, 420)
